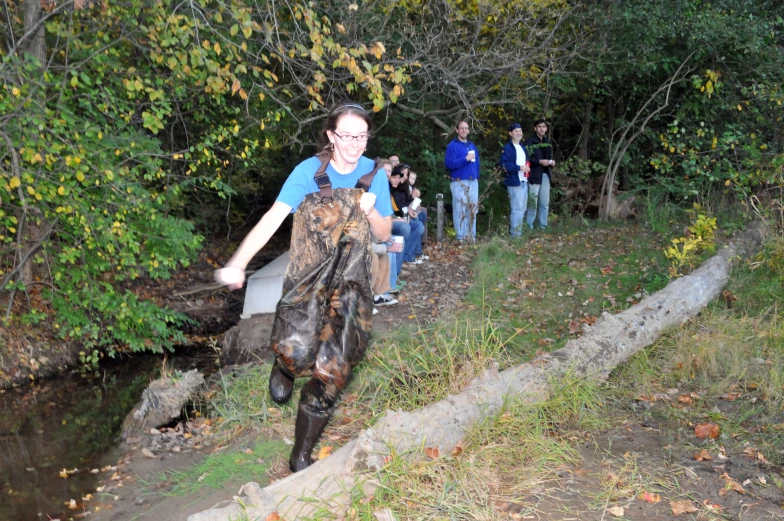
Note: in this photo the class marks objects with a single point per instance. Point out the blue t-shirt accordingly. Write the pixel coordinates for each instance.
(301, 183)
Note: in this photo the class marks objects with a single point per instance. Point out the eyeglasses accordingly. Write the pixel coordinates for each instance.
(404, 167)
(347, 138)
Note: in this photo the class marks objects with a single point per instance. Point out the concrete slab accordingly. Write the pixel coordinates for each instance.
(265, 287)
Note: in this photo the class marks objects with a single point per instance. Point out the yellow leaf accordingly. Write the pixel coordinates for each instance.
(341, 28)
(31, 190)
(61, 191)
(79, 176)
(217, 48)
(15, 91)
(37, 159)
(411, 317)
(727, 182)
(14, 182)
(235, 86)
(324, 452)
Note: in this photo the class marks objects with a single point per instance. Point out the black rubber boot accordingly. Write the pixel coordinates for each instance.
(308, 428)
(280, 384)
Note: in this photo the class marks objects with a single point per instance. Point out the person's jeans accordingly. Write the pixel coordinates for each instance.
(465, 205)
(411, 232)
(422, 217)
(395, 263)
(413, 246)
(518, 199)
(539, 202)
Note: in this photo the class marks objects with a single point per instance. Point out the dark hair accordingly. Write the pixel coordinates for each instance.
(515, 126)
(337, 112)
(539, 121)
(397, 170)
(457, 124)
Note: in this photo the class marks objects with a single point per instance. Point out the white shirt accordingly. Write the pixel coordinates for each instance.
(520, 162)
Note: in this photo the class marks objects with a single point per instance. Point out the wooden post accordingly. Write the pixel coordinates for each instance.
(439, 217)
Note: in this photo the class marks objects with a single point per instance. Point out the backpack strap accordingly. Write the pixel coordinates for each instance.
(322, 179)
(365, 181)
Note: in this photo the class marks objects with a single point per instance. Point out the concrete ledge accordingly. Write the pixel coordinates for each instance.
(265, 287)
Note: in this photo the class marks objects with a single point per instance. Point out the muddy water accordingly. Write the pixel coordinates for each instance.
(70, 422)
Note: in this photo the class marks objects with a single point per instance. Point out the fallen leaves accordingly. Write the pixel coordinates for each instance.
(273, 517)
(751, 452)
(324, 452)
(703, 455)
(650, 497)
(683, 506)
(706, 430)
(432, 452)
(730, 485)
(615, 511)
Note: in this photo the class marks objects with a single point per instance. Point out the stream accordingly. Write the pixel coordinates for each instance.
(71, 422)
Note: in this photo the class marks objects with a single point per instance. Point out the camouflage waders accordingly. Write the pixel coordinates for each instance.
(323, 321)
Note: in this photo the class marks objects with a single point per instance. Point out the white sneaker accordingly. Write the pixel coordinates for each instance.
(423, 257)
(415, 261)
(384, 300)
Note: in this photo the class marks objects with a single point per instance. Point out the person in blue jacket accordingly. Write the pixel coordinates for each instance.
(462, 162)
(515, 163)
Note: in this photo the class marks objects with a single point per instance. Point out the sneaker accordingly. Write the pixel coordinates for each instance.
(384, 300)
(394, 291)
(375, 311)
(423, 257)
(415, 261)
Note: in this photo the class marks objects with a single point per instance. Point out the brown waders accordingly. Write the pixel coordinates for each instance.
(323, 321)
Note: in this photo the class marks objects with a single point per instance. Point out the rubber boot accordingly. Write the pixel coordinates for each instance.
(280, 384)
(307, 430)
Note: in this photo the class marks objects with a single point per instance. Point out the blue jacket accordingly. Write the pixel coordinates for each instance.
(538, 149)
(457, 164)
(508, 162)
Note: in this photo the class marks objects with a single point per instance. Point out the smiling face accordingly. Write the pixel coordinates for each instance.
(516, 135)
(463, 130)
(395, 181)
(412, 178)
(394, 160)
(347, 153)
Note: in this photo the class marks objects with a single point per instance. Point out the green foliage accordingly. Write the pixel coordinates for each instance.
(132, 117)
(701, 238)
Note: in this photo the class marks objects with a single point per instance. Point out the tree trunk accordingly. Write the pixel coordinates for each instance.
(36, 44)
(443, 425)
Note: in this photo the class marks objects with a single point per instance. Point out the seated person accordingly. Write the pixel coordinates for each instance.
(380, 275)
(421, 212)
(410, 229)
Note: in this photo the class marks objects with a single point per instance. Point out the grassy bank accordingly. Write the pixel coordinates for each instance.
(724, 367)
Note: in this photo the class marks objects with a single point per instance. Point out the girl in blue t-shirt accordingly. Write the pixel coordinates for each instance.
(322, 322)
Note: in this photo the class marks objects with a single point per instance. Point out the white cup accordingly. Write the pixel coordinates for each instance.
(398, 239)
(415, 203)
(473, 155)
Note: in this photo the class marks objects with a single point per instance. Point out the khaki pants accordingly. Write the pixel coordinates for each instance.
(379, 274)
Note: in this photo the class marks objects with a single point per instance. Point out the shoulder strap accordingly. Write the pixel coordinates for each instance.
(365, 181)
(322, 179)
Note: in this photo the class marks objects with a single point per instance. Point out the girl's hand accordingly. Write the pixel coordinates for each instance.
(367, 202)
(230, 276)
(415, 192)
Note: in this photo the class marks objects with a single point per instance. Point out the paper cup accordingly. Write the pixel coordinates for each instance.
(398, 239)
(415, 203)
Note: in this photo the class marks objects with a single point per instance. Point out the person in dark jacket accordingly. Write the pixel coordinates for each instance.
(540, 154)
(410, 229)
(515, 164)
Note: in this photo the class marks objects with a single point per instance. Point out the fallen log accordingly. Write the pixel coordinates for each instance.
(610, 342)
